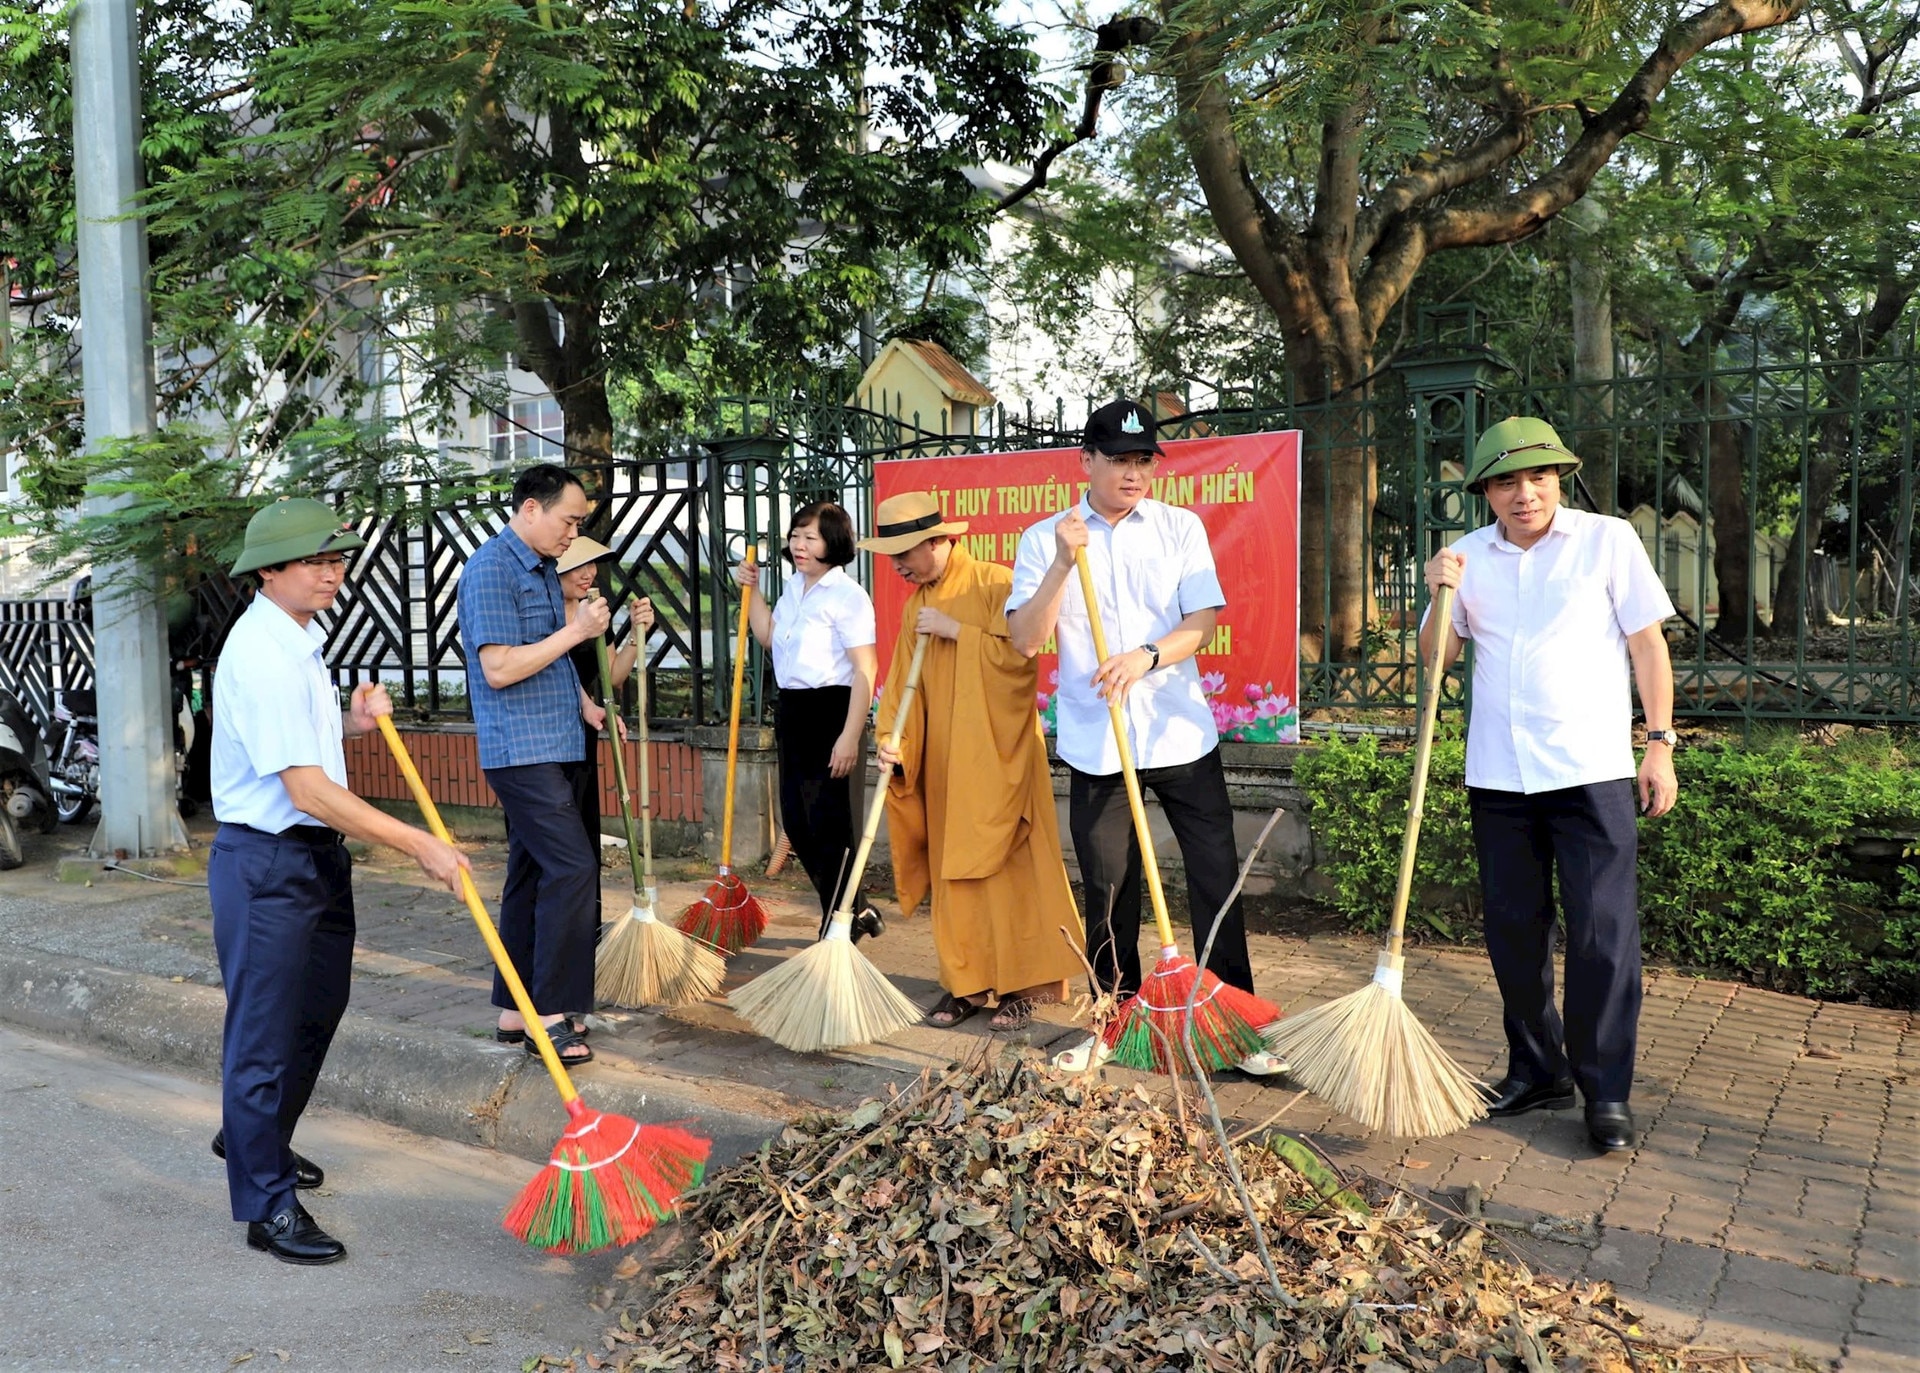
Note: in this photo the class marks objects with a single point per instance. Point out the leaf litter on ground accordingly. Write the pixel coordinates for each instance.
(1000, 1216)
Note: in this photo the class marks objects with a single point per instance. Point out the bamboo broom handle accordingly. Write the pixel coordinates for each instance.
(618, 749)
(646, 766)
(733, 718)
(844, 910)
(522, 1002)
(1148, 863)
(1422, 755)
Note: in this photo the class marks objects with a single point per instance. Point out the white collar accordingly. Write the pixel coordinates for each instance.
(286, 631)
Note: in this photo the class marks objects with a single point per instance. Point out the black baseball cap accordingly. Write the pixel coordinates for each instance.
(1118, 427)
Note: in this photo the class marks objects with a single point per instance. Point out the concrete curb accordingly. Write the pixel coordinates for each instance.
(432, 1081)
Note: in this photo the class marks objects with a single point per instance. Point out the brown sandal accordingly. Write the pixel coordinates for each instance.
(1015, 1013)
(954, 1009)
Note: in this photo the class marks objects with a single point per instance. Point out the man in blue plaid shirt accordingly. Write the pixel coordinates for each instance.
(527, 707)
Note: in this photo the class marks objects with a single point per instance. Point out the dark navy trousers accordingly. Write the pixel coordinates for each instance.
(549, 907)
(1582, 841)
(283, 928)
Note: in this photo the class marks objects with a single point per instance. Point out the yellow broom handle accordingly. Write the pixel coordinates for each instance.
(646, 774)
(1148, 863)
(1422, 755)
(879, 802)
(479, 912)
(733, 720)
(618, 749)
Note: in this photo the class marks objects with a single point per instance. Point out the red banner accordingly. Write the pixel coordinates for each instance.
(1245, 489)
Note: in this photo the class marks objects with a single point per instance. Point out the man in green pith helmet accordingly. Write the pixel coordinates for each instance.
(278, 875)
(1558, 603)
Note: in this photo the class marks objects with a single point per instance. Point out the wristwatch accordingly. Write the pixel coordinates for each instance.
(1153, 652)
(1663, 736)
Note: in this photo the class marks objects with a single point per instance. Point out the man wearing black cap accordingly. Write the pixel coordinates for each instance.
(278, 874)
(1153, 571)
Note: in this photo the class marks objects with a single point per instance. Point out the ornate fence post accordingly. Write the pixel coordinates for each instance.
(1450, 378)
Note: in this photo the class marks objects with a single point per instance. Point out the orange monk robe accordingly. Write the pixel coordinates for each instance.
(970, 816)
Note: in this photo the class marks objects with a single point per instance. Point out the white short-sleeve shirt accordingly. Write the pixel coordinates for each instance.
(814, 626)
(1151, 570)
(1552, 695)
(274, 707)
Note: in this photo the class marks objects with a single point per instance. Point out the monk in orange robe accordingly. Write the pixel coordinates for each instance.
(970, 810)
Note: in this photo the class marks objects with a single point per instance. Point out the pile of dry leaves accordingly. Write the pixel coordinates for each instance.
(999, 1217)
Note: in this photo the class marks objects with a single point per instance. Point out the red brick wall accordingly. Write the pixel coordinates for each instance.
(449, 763)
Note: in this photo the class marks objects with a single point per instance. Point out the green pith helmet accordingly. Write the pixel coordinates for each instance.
(1518, 444)
(294, 527)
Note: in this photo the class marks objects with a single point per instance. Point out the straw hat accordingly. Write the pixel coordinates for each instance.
(581, 552)
(907, 520)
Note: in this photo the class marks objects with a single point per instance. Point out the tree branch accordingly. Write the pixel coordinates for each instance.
(1110, 40)
(1261, 242)
(1527, 210)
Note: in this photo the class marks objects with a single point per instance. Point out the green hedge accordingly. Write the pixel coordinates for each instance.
(1774, 865)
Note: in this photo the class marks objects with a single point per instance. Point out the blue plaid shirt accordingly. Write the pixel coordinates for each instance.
(508, 594)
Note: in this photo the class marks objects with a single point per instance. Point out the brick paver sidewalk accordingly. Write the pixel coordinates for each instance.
(1773, 1206)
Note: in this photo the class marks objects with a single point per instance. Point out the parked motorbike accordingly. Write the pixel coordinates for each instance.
(26, 795)
(75, 761)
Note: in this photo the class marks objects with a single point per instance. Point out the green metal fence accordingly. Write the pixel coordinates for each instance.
(1775, 495)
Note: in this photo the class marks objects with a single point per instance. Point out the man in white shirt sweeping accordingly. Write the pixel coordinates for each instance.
(1153, 572)
(1558, 602)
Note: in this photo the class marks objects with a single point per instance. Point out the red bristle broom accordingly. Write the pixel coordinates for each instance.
(1146, 1033)
(727, 916)
(610, 1179)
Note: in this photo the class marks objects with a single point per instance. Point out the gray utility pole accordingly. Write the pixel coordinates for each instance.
(138, 813)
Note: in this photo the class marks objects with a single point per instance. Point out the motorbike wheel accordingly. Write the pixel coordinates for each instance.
(11, 854)
(72, 809)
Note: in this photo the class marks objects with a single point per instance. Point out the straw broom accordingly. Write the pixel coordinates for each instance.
(830, 995)
(1146, 1033)
(610, 1179)
(727, 916)
(1366, 1054)
(643, 962)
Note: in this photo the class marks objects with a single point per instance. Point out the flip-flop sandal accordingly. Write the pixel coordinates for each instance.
(951, 1006)
(1015, 1013)
(506, 1036)
(564, 1037)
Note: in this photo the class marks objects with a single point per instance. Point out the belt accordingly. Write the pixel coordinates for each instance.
(317, 835)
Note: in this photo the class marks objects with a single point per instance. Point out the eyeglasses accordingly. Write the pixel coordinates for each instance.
(333, 562)
(1132, 459)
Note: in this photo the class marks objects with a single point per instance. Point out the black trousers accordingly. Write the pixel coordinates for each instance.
(1584, 841)
(283, 929)
(1193, 797)
(816, 808)
(547, 908)
(583, 778)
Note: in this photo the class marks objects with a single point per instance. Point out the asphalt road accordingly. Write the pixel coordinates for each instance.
(116, 1251)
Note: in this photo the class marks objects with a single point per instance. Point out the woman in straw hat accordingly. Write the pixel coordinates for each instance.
(822, 641)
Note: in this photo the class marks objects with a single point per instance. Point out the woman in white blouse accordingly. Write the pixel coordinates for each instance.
(821, 636)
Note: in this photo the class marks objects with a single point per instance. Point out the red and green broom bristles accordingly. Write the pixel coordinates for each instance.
(1226, 1021)
(609, 1182)
(727, 917)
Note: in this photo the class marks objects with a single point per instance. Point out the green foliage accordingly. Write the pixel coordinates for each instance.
(1765, 868)
(647, 206)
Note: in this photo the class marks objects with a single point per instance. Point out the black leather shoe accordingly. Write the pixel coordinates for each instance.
(306, 1173)
(868, 924)
(1515, 1096)
(293, 1236)
(1610, 1126)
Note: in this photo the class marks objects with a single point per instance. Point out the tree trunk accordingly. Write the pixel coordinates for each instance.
(1591, 290)
(1797, 599)
(1732, 527)
(1339, 481)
